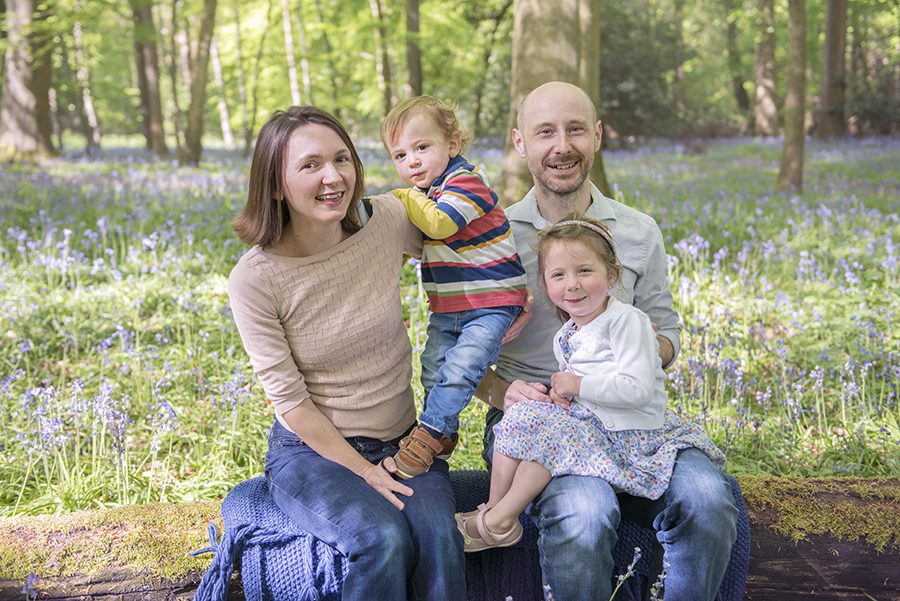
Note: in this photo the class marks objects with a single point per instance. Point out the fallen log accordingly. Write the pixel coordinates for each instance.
(823, 539)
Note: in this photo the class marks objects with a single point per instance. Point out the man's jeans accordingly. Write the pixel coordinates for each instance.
(415, 554)
(460, 348)
(695, 522)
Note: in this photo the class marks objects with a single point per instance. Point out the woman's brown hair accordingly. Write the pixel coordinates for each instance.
(263, 218)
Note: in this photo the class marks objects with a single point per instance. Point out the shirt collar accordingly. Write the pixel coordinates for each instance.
(455, 163)
(600, 208)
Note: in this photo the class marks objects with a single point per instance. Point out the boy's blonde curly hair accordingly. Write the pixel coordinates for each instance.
(441, 113)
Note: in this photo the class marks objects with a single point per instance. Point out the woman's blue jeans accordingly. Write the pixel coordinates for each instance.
(416, 554)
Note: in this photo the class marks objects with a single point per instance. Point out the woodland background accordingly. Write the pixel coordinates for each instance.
(761, 135)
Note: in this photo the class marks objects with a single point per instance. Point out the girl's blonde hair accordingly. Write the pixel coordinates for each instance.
(442, 114)
(592, 233)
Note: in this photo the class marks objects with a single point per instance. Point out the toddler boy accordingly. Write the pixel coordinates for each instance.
(470, 269)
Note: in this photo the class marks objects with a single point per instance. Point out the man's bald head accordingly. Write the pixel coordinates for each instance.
(551, 92)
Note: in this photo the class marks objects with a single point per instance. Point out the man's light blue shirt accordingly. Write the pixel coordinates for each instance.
(644, 282)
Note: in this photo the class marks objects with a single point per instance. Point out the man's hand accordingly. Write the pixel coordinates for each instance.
(520, 390)
(521, 321)
(378, 476)
(666, 350)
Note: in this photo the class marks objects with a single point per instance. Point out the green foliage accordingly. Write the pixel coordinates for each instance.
(636, 64)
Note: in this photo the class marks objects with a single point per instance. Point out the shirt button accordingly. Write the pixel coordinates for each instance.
(610, 424)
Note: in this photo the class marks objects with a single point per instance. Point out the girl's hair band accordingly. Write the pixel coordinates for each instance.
(601, 231)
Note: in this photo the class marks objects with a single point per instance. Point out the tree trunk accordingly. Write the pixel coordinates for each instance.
(831, 123)
(486, 63)
(241, 80)
(735, 68)
(289, 52)
(382, 58)
(90, 125)
(148, 75)
(329, 57)
(765, 112)
(304, 56)
(248, 140)
(193, 143)
(790, 175)
(678, 75)
(413, 55)
(25, 125)
(224, 117)
(172, 65)
(551, 42)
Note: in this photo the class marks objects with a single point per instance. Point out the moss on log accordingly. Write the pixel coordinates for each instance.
(810, 538)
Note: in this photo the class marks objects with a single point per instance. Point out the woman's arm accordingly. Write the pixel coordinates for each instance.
(317, 431)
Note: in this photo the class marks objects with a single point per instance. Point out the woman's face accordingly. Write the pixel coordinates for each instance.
(319, 177)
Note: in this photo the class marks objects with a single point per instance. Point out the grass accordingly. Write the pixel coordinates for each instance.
(123, 379)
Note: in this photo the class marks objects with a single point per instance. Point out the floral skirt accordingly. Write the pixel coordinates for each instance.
(638, 462)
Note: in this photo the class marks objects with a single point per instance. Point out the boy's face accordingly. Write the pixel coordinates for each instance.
(420, 151)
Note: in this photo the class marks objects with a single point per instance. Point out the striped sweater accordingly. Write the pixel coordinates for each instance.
(469, 259)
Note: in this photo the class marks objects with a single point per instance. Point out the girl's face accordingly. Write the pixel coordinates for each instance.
(319, 177)
(577, 279)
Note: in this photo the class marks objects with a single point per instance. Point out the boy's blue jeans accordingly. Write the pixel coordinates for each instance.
(416, 554)
(460, 348)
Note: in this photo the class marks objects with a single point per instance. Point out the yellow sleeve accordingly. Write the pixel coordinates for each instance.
(425, 214)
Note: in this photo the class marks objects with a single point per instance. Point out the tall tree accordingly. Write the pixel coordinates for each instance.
(413, 55)
(255, 69)
(790, 175)
(678, 75)
(305, 75)
(289, 52)
(193, 148)
(25, 123)
(735, 68)
(765, 112)
(489, 48)
(831, 123)
(551, 42)
(224, 116)
(241, 78)
(145, 37)
(382, 57)
(89, 122)
(329, 61)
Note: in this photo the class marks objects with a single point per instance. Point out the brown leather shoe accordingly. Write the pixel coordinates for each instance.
(418, 450)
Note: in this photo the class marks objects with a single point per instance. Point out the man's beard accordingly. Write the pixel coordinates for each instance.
(569, 186)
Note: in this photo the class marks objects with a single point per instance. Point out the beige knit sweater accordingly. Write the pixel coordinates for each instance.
(329, 327)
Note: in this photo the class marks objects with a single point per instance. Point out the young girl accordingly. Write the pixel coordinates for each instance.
(608, 417)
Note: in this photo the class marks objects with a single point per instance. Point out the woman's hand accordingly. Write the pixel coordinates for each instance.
(564, 386)
(520, 390)
(521, 321)
(378, 476)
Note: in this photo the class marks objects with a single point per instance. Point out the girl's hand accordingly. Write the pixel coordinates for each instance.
(560, 401)
(520, 390)
(378, 476)
(565, 384)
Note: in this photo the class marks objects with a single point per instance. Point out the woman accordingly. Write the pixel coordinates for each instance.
(317, 304)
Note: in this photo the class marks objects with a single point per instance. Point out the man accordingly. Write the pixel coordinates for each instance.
(558, 135)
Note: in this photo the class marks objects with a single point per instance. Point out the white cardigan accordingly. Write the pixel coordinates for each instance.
(618, 356)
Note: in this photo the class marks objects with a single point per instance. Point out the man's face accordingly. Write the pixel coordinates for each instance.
(558, 139)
